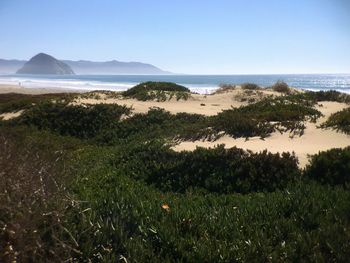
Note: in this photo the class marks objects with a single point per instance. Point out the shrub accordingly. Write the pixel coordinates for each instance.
(281, 86)
(329, 95)
(157, 90)
(157, 123)
(10, 102)
(339, 121)
(250, 86)
(129, 219)
(33, 196)
(330, 167)
(238, 125)
(102, 122)
(215, 170)
(78, 121)
(264, 117)
(225, 88)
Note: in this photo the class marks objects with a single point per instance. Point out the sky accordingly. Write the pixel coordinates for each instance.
(184, 36)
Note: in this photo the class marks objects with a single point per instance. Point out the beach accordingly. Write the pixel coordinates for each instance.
(311, 142)
(5, 88)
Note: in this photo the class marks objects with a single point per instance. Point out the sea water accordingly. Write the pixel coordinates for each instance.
(196, 83)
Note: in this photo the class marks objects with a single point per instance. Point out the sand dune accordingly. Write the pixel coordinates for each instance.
(313, 140)
(198, 103)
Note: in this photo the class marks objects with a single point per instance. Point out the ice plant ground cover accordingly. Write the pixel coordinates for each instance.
(100, 183)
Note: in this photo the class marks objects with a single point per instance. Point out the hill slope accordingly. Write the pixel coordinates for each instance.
(85, 67)
(112, 67)
(45, 64)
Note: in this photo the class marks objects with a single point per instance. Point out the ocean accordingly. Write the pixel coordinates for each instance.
(196, 83)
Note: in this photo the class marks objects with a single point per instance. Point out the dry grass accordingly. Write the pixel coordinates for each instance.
(223, 88)
(32, 202)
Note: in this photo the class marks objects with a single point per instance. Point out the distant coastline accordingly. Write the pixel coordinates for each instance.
(196, 83)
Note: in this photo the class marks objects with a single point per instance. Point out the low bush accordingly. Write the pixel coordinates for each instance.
(339, 121)
(10, 102)
(103, 122)
(96, 94)
(330, 167)
(223, 87)
(157, 123)
(264, 117)
(214, 170)
(78, 121)
(160, 91)
(68, 200)
(128, 220)
(33, 196)
(329, 95)
(281, 86)
(238, 125)
(250, 86)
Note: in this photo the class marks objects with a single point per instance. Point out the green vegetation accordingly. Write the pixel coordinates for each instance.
(96, 94)
(311, 98)
(34, 201)
(330, 95)
(330, 167)
(250, 86)
(97, 184)
(103, 123)
(160, 91)
(10, 102)
(224, 87)
(264, 117)
(77, 121)
(111, 215)
(339, 121)
(214, 170)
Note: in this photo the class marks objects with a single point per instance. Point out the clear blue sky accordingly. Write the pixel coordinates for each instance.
(184, 36)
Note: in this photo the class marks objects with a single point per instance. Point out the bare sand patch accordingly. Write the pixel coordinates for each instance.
(313, 140)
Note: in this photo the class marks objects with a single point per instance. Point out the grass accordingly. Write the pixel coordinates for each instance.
(84, 184)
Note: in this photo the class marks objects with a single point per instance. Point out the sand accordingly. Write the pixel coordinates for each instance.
(36, 91)
(10, 115)
(313, 140)
(197, 103)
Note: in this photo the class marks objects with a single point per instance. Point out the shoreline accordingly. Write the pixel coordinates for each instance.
(5, 88)
(202, 84)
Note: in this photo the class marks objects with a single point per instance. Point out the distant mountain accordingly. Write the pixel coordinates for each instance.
(45, 64)
(84, 67)
(113, 67)
(10, 66)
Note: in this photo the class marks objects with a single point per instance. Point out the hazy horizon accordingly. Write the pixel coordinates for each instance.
(193, 37)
